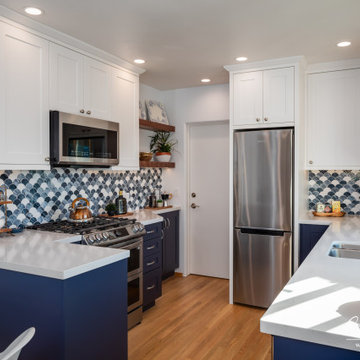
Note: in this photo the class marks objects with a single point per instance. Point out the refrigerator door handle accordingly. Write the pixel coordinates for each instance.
(262, 232)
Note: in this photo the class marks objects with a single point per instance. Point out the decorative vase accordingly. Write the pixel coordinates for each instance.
(163, 156)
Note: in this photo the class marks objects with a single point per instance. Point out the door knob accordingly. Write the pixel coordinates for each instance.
(82, 111)
(193, 195)
(88, 112)
(194, 206)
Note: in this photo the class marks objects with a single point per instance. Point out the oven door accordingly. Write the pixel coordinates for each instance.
(135, 291)
(135, 260)
(79, 140)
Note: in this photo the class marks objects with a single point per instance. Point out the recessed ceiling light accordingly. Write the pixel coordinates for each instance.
(139, 61)
(241, 58)
(205, 80)
(33, 11)
(344, 43)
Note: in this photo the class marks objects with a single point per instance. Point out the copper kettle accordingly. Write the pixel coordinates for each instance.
(80, 213)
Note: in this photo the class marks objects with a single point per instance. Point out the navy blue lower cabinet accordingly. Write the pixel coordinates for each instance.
(309, 236)
(83, 317)
(290, 349)
(170, 243)
(152, 265)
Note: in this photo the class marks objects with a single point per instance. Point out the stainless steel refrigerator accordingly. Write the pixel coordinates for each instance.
(263, 221)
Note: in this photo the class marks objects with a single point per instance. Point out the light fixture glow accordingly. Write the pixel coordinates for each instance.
(205, 80)
(139, 61)
(241, 58)
(33, 11)
(344, 43)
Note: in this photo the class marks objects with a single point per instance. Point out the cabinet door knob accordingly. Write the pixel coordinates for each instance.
(311, 162)
(257, 119)
(82, 111)
(47, 159)
(88, 112)
(266, 119)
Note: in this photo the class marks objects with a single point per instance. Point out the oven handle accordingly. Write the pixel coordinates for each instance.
(136, 244)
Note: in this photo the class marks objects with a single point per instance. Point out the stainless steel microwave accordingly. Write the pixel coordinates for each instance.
(79, 141)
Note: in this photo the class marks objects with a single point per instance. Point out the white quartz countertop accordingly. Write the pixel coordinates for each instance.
(52, 255)
(321, 302)
(151, 216)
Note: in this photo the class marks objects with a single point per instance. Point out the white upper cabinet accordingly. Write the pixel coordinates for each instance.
(78, 84)
(333, 126)
(66, 80)
(278, 95)
(248, 98)
(125, 110)
(24, 105)
(263, 97)
(97, 88)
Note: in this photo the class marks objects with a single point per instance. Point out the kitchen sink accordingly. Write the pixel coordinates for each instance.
(348, 251)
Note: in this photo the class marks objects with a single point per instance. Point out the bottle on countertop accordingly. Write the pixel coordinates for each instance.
(121, 204)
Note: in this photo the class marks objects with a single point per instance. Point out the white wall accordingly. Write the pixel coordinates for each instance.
(198, 104)
(148, 93)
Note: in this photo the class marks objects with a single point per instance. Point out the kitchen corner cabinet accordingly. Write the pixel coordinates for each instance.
(24, 115)
(170, 255)
(78, 84)
(125, 110)
(309, 236)
(333, 125)
(263, 97)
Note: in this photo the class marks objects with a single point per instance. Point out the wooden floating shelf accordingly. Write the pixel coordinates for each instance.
(5, 231)
(157, 164)
(5, 202)
(154, 126)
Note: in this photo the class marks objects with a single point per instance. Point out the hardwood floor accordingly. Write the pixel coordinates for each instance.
(193, 321)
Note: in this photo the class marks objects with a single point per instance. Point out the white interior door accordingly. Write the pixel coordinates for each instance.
(209, 180)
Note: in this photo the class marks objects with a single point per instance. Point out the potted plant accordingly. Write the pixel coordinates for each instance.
(162, 145)
(111, 209)
(159, 203)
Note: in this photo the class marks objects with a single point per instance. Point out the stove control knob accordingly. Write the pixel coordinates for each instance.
(91, 239)
(135, 228)
(141, 227)
(105, 235)
(98, 238)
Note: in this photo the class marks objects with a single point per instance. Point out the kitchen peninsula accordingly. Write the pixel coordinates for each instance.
(316, 314)
(68, 292)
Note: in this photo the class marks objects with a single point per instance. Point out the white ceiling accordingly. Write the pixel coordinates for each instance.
(184, 41)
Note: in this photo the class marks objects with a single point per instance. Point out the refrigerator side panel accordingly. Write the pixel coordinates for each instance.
(263, 179)
(262, 267)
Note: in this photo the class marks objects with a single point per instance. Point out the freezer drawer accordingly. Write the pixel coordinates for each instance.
(263, 179)
(262, 265)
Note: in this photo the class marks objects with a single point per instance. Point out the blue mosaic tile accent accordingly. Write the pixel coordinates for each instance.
(43, 196)
(325, 185)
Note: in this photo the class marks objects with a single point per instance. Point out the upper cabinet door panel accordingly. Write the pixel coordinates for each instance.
(247, 98)
(333, 125)
(279, 95)
(66, 80)
(97, 89)
(125, 111)
(24, 116)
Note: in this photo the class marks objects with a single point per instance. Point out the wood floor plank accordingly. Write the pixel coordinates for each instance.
(193, 321)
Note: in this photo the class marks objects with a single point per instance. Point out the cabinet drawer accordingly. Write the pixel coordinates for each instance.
(152, 262)
(152, 286)
(152, 246)
(153, 231)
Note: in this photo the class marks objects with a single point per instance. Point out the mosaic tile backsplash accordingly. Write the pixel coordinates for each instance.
(325, 185)
(42, 196)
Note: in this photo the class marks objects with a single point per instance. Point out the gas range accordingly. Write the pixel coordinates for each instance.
(101, 231)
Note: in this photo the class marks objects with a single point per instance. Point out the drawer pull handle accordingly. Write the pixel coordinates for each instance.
(151, 287)
(150, 247)
(150, 263)
(150, 232)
